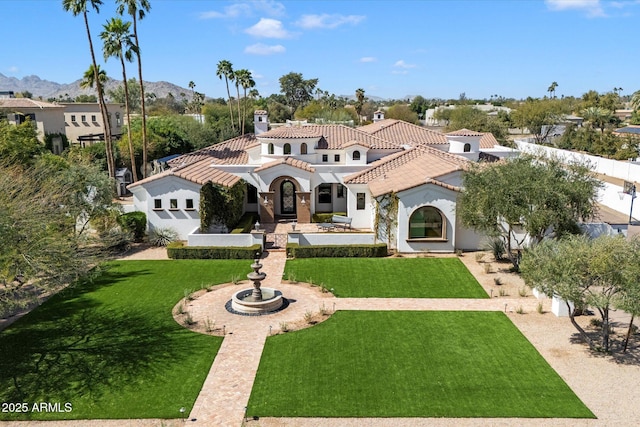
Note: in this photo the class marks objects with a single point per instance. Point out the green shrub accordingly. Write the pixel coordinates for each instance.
(497, 248)
(246, 223)
(162, 236)
(177, 250)
(134, 222)
(337, 251)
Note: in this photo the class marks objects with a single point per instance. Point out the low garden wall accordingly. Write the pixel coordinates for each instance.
(226, 240)
(323, 239)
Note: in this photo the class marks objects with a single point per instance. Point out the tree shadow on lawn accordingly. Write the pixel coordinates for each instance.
(82, 355)
(77, 348)
(616, 345)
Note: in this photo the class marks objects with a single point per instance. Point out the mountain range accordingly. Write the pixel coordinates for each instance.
(48, 89)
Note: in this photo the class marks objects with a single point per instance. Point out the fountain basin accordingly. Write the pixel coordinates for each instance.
(271, 301)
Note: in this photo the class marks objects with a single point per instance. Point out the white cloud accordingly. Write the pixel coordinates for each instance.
(328, 21)
(232, 11)
(368, 59)
(593, 8)
(268, 28)
(263, 49)
(13, 69)
(271, 8)
(402, 64)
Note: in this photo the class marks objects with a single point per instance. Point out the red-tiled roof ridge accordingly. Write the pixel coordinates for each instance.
(231, 151)
(401, 132)
(465, 132)
(199, 172)
(290, 132)
(296, 163)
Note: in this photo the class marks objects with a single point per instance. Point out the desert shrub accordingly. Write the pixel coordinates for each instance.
(134, 222)
(163, 236)
(497, 248)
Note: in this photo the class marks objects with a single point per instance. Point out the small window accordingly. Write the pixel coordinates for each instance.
(83, 118)
(157, 203)
(340, 191)
(426, 223)
(467, 148)
(303, 148)
(325, 158)
(324, 193)
(270, 148)
(252, 194)
(259, 118)
(356, 155)
(73, 118)
(173, 203)
(336, 158)
(189, 204)
(94, 118)
(287, 148)
(360, 201)
(118, 122)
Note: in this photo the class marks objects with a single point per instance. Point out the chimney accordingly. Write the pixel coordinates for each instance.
(260, 122)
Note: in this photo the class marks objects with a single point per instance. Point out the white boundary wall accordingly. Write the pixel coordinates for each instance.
(218, 240)
(343, 239)
(609, 194)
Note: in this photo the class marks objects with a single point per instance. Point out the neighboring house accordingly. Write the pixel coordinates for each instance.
(48, 118)
(294, 171)
(83, 121)
(80, 122)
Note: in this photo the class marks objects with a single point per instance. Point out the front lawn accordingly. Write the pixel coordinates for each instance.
(409, 364)
(388, 277)
(111, 348)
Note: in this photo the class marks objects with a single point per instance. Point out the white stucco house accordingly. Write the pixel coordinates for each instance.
(296, 170)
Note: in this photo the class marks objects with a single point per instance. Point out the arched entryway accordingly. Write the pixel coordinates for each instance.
(287, 198)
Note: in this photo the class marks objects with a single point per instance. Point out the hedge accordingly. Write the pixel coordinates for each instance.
(135, 222)
(294, 250)
(326, 216)
(177, 250)
(246, 223)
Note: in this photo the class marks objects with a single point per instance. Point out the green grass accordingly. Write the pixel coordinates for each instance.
(389, 277)
(409, 364)
(111, 348)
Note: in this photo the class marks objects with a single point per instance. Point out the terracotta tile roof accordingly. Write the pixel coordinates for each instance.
(336, 136)
(291, 132)
(402, 132)
(199, 172)
(231, 152)
(465, 132)
(261, 112)
(26, 103)
(488, 140)
(287, 161)
(354, 142)
(408, 169)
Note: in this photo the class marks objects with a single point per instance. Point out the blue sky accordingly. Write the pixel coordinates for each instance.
(391, 49)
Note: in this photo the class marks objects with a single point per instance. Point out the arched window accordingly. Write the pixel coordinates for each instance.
(303, 148)
(270, 148)
(287, 148)
(467, 147)
(427, 222)
(356, 155)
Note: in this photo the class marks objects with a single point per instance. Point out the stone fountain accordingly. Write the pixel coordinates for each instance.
(257, 300)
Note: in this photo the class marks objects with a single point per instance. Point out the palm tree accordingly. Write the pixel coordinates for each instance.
(552, 90)
(138, 9)
(225, 69)
(118, 42)
(359, 103)
(597, 117)
(254, 94)
(635, 100)
(244, 78)
(77, 7)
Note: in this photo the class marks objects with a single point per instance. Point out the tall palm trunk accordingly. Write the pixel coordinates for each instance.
(126, 107)
(111, 167)
(226, 80)
(142, 106)
(238, 103)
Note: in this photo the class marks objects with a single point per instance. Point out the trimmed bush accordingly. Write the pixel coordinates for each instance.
(337, 251)
(177, 250)
(134, 222)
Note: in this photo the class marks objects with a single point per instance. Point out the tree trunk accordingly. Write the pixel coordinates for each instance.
(581, 331)
(132, 156)
(629, 329)
(238, 103)
(142, 100)
(106, 122)
(233, 126)
(605, 328)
